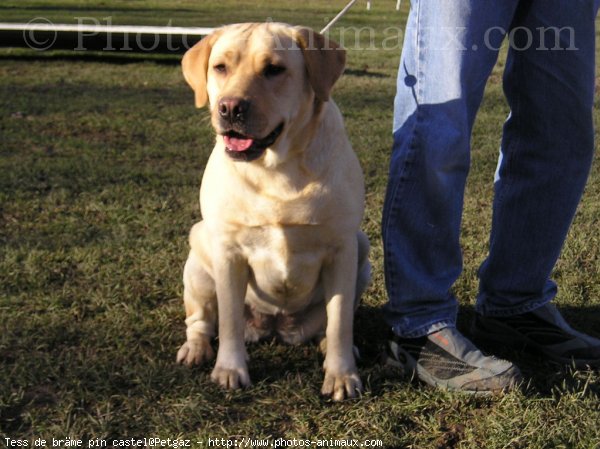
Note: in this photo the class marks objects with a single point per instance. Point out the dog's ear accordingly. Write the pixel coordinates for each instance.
(195, 67)
(325, 61)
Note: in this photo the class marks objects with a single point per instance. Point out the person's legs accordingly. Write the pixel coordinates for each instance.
(546, 155)
(450, 48)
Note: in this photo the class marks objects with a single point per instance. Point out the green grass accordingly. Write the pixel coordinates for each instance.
(100, 164)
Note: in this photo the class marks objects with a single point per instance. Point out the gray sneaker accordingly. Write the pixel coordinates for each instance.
(544, 331)
(447, 359)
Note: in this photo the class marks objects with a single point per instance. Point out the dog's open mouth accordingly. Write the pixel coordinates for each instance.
(246, 148)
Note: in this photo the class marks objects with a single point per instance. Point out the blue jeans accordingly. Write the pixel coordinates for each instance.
(450, 48)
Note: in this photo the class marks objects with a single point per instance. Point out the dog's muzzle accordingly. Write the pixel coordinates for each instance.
(247, 148)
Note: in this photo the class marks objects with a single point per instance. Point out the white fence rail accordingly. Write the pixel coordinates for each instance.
(41, 34)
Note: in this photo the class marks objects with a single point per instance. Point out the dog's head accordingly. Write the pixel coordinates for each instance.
(264, 83)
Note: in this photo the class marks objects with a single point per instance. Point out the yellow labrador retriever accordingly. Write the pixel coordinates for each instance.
(279, 251)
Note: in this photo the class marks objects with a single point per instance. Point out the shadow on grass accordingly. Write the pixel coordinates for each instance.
(366, 73)
(273, 361)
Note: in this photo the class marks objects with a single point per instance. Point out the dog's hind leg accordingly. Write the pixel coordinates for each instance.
(200, 301)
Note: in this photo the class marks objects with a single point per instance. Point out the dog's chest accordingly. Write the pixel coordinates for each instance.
(285, 264)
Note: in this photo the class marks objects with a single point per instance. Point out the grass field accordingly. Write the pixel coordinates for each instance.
(100, 162)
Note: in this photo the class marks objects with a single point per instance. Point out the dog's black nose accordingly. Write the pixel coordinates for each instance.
(233, 109)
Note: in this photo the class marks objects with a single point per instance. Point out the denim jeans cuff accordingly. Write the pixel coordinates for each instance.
(424, 330)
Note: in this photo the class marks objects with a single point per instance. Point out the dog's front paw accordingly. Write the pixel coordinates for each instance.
(231, 378)
(195, 352)
(342, 385)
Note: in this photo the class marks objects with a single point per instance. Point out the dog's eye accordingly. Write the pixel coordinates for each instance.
(272, 70)
(220, 68)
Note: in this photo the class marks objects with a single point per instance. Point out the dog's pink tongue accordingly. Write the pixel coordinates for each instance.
(237, 143)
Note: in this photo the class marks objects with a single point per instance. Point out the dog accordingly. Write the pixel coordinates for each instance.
(278, 252)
